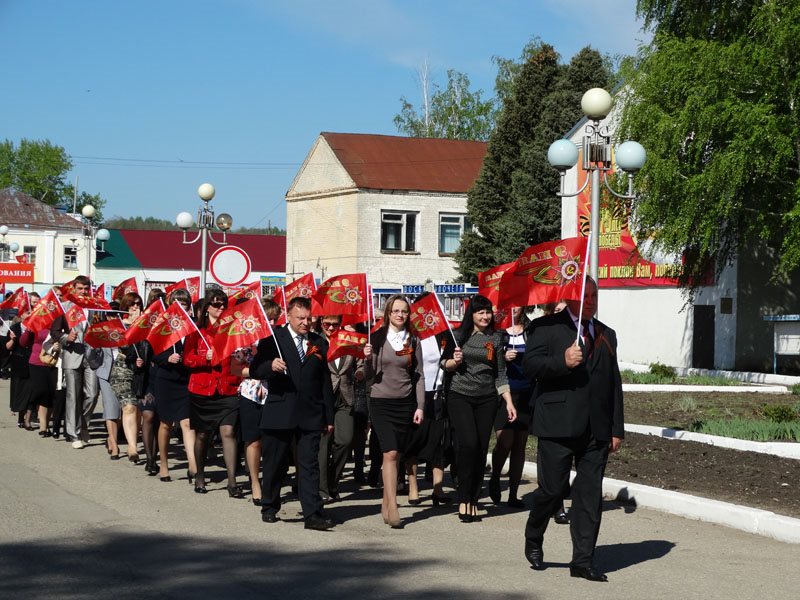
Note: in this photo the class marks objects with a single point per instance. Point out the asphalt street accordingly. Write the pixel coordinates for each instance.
(74, 524)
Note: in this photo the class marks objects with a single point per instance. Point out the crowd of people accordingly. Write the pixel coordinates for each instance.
(281, 403)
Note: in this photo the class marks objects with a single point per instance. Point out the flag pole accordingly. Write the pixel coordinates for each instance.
(583, 286)
(441, 307)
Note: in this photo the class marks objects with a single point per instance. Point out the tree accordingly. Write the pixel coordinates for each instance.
(513, 202)
(715, 100)
(454, 113)
(39, 169)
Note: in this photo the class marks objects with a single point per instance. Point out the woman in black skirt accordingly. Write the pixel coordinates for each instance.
(394, 372)
(20, 392)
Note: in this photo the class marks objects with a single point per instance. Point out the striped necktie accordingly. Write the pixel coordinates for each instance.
(300, 352)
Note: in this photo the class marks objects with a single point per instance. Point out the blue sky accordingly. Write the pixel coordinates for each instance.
(131, 89)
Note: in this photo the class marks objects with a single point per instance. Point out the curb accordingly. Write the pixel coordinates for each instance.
(736, 516)
(744, 376)
(731, 389)
(782, 449)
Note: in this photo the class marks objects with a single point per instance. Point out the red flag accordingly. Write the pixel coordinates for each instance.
(190, 284)
(19, 300)
(354, 319)
(74, 316)
(141, 327)
(303, 288)
(125, 287)
(239, 326)
(427, 317)
(89, 302)
(47, 310)
(251, 290)
(279, 298)
(343, 295)
(544, 273)
(105, 334)
(100, 292)
(173, 324)
(489, 281)
(66, 289)
(346, 342)
(378, 325)
(22, 258)
(503, 318)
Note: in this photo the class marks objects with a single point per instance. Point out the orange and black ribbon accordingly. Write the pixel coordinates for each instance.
(489, 351)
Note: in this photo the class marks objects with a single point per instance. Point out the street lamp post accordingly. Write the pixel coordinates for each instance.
(597, 152)
(91, 235)
(205, 225)
(13, 246)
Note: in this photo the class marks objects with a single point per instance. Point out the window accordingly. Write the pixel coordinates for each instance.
(71, 257)
(451, 228)
(30, 254)
(398, 232)
(5, 253)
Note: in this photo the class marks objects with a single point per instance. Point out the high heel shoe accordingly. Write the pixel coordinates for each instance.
(114, 456)
(200, 489)
(415, 501)
(235, 491)
(151, 467)
(190, 475)
(466, 516)
(134, 458)
(165, 478)
(437, 500)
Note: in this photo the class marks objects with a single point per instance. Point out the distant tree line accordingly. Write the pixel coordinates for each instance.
(151, 223)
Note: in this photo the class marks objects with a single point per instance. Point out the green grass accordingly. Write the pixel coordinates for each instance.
(749, 429)
(629, 376)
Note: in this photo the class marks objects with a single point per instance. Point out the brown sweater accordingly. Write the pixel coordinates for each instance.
(388, 373)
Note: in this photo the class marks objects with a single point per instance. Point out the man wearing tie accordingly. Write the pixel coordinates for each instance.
(80, 380)
(578, 416)
(299, 405)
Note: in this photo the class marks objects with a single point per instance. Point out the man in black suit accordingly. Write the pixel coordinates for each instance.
(299, 405)
(577, 416)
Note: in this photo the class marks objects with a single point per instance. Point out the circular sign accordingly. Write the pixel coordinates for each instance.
(230, 266)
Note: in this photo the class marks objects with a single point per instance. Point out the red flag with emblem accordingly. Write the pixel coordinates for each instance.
(100, 292)
(74, 316)
(125, 287)
(239, 326)
(47, 310)
(489, 281)
(544, 273)
(343, 295)
(144, 323)
(427, 317)
(19, 300)
(105, 334)
(345, 342)
(172, 325)
(23, 258)
(303, 287)
(251, 290)
(502, 318)
(89, 302)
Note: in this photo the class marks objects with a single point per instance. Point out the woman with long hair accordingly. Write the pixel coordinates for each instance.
(144, 387)
(393, 367)
(213, 391)
(172, 396)
(477, 377)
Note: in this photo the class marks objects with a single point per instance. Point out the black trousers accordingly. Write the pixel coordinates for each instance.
(555, 457)
(472, 419)
(275, 445)
(334, 448)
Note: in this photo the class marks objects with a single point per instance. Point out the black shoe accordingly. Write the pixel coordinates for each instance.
(437, 500)
(515, 503)
(45, 434)
(68, 438)
(561, 518)
(318, 522)
(56, 435)
(190, 475)
(151, 467)
(535, 555)
(494, 489)
(200, 489)
(257, 501)
(166, 479)
(415, 501)
(330, 498)
(591, 573)
(235, 491)
(114, 457)
(270, 517)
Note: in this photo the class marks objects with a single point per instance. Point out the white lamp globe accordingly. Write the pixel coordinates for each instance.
(184, 220)
(206, 192)
(13, 246)
(3, 230)
(596, 103)
(562, 154)
(88, 211)
(103, 235)
(630, 156)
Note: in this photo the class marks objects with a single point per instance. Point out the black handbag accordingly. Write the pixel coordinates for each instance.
(95, 358)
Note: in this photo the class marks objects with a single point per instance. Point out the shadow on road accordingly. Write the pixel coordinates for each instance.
(616, 557)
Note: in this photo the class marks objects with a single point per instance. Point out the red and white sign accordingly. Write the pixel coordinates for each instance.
(16, 272)
(230, 266)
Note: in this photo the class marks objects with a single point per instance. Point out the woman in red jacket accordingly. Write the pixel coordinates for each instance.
(213, 391)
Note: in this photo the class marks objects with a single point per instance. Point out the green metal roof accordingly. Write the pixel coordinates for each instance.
(118, 254)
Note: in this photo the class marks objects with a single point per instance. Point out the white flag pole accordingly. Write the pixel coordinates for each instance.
(583, 286)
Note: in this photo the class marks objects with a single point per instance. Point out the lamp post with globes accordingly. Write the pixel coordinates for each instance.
(205, 224)
(91, 235)
(597, 151)
(13, 246)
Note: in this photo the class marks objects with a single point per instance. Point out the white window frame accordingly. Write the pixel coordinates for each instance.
(5, 252)
(450, 219)
(30, 254)
(72, 263)
(401, 217)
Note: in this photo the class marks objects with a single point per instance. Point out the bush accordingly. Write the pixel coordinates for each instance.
(687, 404)
(664, 371)
(779, 413)
(749, 429)
(795, 389)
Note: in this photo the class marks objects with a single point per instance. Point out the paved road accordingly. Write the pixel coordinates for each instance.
(74, 524)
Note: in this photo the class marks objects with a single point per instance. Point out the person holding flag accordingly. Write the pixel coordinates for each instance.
(81, 380)
(21, 392)
(477, 364)
(394, 370)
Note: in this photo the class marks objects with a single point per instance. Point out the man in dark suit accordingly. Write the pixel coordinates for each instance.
(299, 406)
(577, 416)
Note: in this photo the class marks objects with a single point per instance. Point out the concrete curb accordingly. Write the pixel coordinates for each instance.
(783, 449)
(743, 518)
(732, 389)
(745, 376)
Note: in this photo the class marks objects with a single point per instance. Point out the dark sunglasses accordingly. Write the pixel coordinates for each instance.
(218, 304)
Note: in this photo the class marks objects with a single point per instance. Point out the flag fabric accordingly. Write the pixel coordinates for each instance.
(502, 318)
(378, 325)
(343, 295)
(427, 317)
(47, 310)
(489, 281)
(74, 316)
(251, 290)
(89, 302)
(105, 334)
(344, 342)
(547, 272)
(354, 319)
(100, 292)
(19, 300)
(125, 287)
(23, 258)
(303, 288)
(280, 298)
(193, 285)
(66, 289)
(239, 326)
(144, 323)
(172, 325)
